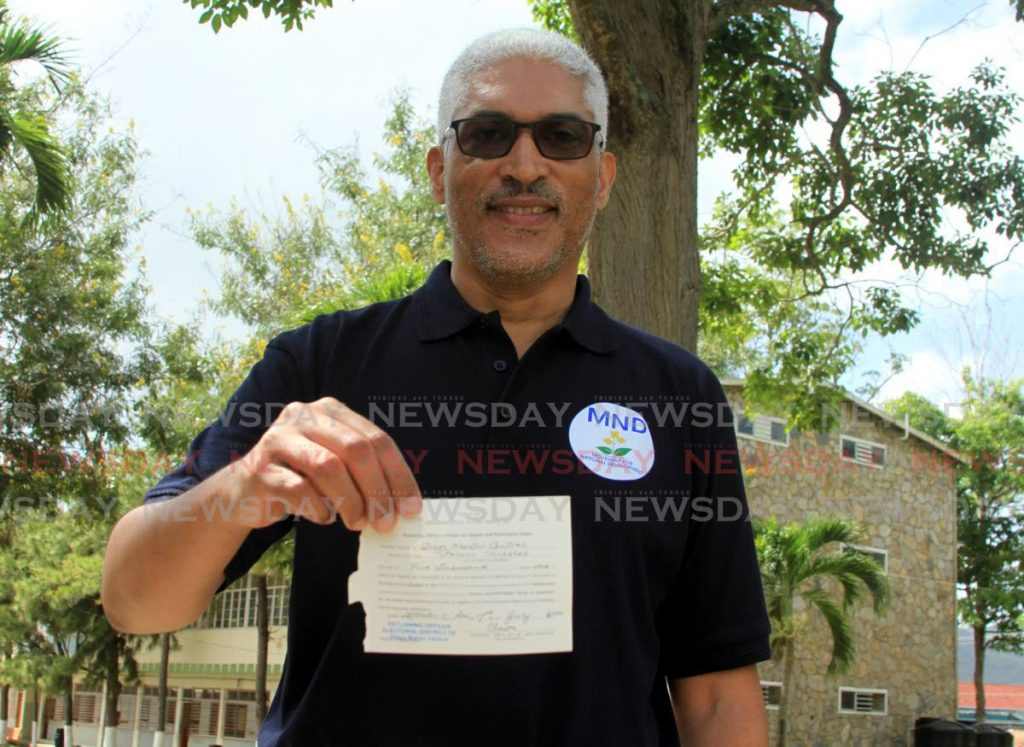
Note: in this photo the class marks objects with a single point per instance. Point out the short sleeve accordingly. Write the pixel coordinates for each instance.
(271, 384)
(714, 617)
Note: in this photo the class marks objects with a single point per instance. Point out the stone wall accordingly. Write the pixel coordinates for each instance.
(906, 508)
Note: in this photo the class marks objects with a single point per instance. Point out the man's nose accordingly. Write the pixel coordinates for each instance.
(524, 162)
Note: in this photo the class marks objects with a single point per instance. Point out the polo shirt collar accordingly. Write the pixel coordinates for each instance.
(443, 312)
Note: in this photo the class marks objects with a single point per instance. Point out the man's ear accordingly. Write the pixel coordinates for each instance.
(435, 168)
(605, 179)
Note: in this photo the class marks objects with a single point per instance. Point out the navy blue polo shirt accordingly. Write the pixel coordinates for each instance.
(635, 429)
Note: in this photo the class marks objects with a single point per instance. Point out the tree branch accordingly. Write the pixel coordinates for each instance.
(723, 10)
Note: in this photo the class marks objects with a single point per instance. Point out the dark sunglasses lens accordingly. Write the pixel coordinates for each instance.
(563, 139)
(485, 138)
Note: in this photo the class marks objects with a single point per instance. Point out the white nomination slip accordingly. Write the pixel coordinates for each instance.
(469, 576)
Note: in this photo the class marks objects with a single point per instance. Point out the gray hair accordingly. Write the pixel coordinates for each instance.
(531, 43)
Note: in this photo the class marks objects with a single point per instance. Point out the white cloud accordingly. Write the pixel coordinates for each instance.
(929, 374)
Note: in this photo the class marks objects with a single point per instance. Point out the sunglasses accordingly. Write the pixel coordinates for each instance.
(493, 137)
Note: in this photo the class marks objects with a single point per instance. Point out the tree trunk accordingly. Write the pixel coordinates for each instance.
(979, 672)
(34, 739)
(161, 690)
(113, 683)
(262, 644)
(644, 261)
(69, 712)
(5, 693)
(787, 686)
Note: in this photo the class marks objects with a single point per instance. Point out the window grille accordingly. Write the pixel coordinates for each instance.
(863, 452)
(879, 555)
(236, 606)
(772, 694)
(763, 428)
(861, 700)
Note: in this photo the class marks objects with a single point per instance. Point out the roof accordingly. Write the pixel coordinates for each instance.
(997, 697)
(903, 425)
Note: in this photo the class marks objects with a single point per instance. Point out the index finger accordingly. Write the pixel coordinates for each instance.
(401, 484)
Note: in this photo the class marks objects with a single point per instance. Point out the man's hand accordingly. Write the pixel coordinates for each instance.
(721, 709)
(322, 460)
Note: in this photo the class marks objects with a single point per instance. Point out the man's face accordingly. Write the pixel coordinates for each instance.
(519, 219)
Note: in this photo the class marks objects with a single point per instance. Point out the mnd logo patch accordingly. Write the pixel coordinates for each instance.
(612, 441)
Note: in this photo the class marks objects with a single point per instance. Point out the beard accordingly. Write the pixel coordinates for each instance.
(517, 265)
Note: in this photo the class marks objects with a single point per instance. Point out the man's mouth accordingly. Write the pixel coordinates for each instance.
(517, 210)
(527, 217)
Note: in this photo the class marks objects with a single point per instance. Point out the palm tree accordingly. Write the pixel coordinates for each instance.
(797, 561)
(26, 129)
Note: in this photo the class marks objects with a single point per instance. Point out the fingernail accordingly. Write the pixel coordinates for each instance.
(411, 505)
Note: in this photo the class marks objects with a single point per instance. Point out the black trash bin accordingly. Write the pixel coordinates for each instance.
(58, 738)
(993, 736)
(934, 732)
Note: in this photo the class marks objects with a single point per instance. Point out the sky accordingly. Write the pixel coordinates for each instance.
(232, 116)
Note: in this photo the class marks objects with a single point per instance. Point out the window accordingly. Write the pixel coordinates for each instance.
(211, 722)
(193, 712)
(860, 700)
(763, 428)
(126, 708)
(880, 556)
(147, 710)
(85, 708)
(236, 606)
(58, 710)
(234, 720)
(772, 694)
(863, 452)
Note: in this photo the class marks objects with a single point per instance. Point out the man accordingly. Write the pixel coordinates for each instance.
(668, 613)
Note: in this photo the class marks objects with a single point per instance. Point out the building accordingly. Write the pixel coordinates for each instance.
(211, 678)
(896, 481)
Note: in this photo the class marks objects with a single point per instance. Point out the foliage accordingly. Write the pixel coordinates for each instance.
(73, 338)
(761, 323)
(806, 562)
(989, 434)
(797, 559)
(358, 244)
(225, 12)
(74, 347)
(911, 157)
(871, 174)
(24, 127)
(555, 16)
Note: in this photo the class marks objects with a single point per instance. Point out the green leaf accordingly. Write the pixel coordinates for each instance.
(216, 23)
(622, 451)
(604, 449)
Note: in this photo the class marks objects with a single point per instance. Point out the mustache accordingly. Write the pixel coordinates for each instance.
(512, 188)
